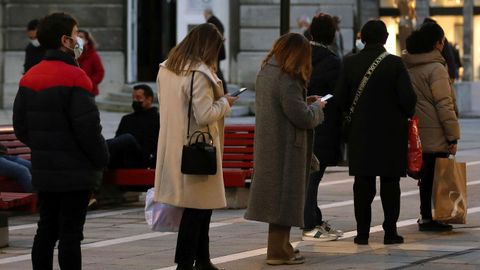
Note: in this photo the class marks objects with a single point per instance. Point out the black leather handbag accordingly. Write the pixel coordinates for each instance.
(199, 156)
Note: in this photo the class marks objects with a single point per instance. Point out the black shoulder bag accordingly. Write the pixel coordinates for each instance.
(347, 121)
(199, 156)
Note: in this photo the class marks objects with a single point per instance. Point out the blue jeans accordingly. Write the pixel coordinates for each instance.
(17, 168)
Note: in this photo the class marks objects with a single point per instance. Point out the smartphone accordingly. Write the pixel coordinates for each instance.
(327, 97)
(241, 90)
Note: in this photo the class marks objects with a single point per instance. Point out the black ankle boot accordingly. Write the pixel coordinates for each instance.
(185, 267)
(392, 239)
(359, 240)
(206, 265)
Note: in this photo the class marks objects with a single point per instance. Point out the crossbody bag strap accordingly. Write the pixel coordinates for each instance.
(364, 82)
(190, 105)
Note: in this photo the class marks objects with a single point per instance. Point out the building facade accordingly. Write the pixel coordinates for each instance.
(134, 36)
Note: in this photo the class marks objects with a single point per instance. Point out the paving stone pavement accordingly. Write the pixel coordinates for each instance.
(118, 238)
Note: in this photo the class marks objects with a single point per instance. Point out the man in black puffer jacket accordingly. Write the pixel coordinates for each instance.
(55, 115)
(325, 71)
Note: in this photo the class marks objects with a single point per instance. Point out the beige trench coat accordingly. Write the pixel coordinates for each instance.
(209, 108)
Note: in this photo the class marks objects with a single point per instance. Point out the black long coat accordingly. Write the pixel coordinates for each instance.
(377, 143)
(326, 69)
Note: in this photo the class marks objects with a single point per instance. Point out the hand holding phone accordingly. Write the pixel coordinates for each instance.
(237, 93)
(326, 97)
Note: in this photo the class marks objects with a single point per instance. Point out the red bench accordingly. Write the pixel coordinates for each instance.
(237, 162)
(11, 195)
(238, 155)
(10, 200)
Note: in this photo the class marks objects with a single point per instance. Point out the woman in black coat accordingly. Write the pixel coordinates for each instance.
(377, 142)
(326, 67)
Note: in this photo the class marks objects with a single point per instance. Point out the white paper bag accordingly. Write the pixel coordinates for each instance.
(162, 217)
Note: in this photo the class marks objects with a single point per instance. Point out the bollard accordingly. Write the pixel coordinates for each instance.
(3, 230)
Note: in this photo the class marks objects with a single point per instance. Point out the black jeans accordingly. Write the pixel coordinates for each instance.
(125, 152)
(193, 240)
(426, 183)
(62, 216)
(364, 189)
(312, 213)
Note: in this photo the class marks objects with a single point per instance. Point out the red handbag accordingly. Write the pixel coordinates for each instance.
(414, 158)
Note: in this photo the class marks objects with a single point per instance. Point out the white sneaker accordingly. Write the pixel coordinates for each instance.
(318, 235)
(330, 229)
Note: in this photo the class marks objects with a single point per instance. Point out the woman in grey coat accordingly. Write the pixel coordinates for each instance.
(285, 119)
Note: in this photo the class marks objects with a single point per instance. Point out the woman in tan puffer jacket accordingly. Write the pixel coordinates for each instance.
(438, 122)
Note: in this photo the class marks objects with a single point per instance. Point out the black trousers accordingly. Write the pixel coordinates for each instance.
(193, 240)
(125, 152)
(364, 189)
(62, 216)
(312, 213)
(426, 183)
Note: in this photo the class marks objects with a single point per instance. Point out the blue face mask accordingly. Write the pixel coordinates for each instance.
(359, 44)
(78, 48)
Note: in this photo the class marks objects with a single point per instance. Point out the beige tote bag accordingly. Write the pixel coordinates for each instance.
(449, 195)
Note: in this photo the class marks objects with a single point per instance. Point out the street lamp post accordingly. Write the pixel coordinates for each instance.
(284, 16)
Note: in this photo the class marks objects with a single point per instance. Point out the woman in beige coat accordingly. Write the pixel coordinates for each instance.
(195, 56)
(438, 123)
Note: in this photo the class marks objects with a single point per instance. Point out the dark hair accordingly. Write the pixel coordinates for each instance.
(323, 28)
(374, 32)
(424, 39)
(53, 27)
(91, 41)
(428, 20)
(32, 25)
(147, 90)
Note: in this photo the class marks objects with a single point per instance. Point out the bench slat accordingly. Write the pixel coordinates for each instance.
(229, 164)
(237, 157)
(238, 142)
(12, 144)
(238, 150)
(248, 136)
(242, 128)
(7, 137)
(18, 150)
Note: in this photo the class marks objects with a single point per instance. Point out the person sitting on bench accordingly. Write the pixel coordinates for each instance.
(16, 168)
(135, 142)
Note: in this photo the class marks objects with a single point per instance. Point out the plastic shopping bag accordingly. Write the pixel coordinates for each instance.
(161, 217)
(449, 194)
(414, 158)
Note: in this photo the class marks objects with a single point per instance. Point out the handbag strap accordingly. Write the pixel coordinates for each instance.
(190, 104)
(190, 108)
(364, 82)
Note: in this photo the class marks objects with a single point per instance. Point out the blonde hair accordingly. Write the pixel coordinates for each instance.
(293, 53)
(201, 45)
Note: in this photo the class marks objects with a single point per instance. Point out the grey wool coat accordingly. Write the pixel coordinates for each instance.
(283, 148)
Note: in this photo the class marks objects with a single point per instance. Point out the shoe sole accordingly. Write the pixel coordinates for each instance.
(434, 230)
(285, 262)
(312, 239)
(392, 242)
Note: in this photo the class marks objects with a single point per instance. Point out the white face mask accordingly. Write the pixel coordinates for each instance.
(359, 44)
(35, 42)
(78, 48)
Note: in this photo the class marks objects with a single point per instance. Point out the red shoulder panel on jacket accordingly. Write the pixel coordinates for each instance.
(48, 74)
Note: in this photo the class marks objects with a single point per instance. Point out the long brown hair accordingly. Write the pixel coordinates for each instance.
(294, 55)
(201, 45)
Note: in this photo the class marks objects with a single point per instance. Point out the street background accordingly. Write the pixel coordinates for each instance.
(117, 237)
